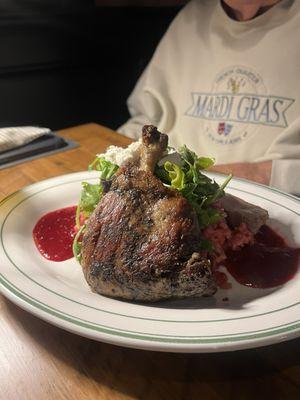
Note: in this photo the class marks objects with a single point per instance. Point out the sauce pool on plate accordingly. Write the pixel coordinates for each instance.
(53, 234)
(267, 263)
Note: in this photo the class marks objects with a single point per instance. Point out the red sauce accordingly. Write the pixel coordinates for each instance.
(54, 232)
(267, 263)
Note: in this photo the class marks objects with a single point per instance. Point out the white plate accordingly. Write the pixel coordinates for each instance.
(58, 293)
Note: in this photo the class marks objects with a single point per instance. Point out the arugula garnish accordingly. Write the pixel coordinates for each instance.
(197, 188)
(107, 168)
(90, 196)
(91, 193)
(77, 243)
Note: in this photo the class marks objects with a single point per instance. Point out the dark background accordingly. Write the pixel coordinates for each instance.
(67, 62)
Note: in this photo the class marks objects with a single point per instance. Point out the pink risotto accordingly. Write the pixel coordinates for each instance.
(225, 238)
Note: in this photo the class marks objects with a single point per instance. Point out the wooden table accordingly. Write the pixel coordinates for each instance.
(39, 361)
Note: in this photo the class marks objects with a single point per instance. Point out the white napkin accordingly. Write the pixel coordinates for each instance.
(18, 136)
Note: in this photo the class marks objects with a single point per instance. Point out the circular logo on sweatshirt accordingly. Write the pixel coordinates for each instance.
(237, 105)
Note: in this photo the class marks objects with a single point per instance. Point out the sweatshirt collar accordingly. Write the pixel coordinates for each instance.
(272, 17)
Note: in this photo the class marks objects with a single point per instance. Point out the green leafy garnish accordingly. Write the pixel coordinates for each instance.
(90, 196)
(197, 188)
(176, 175)
(208, 216)
(91, 193)
(77, 244)
(206, 245)
(107, 168)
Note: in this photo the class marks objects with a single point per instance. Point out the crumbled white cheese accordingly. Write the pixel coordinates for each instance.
(119, 155)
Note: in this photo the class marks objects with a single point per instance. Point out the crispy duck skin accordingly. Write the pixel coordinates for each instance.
(142, 240)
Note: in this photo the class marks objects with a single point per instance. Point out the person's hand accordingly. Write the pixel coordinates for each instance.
(258, 172)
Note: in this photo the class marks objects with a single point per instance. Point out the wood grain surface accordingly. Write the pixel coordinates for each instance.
(41, 362)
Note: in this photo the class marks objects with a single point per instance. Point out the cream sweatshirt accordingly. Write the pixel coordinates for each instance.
(227, 89)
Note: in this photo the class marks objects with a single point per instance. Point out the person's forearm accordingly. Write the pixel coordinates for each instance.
(258, 172)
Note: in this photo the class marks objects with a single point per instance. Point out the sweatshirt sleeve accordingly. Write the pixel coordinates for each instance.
(286, 175)
(149, 103)
(285, 153)
(142, 106)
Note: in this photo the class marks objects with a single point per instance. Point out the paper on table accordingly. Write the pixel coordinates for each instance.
(12, 137)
